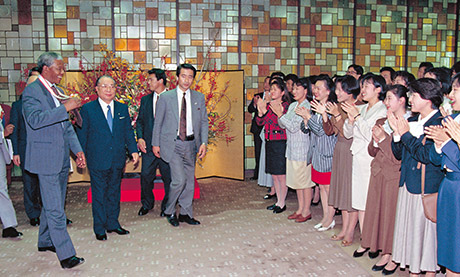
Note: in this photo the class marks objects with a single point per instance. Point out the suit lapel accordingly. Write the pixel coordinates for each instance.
(175, 104)
(100, 116)
(48, 96)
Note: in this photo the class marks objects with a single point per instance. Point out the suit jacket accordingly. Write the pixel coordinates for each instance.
(19, 135)
(145, 121)
(255, 129)
(104, 149)
(50, 135)
(411, 151)
(167, 122)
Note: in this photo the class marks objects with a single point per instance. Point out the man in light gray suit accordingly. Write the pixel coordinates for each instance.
(179, 134)
(50, 137)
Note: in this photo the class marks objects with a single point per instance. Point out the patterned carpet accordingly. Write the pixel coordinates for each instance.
(237, 237)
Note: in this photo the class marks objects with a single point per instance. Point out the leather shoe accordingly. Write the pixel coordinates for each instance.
(271, 207)
(162, 214)
(68, 221)
(357, 254)
(47, 248)
(119, 231)
(186, 218)
(34, 221)
(373, 255)
(378, 267)
(389, 272)
(278, 210)
(301, 219)
(10, 232)
(143, 211)
(294, 215)
(72, 262)
(269, 196)
(172, 219)
(101, 237)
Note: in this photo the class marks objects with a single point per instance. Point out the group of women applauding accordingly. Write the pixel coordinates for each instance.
(375, 148)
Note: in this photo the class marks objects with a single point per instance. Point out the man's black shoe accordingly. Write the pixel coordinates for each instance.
(188, 219)
(72, 262)
(143, 211)
(34, 221)
(172, 219)
(10, 232)
(119, 231)
(47, 248)
(101, 237)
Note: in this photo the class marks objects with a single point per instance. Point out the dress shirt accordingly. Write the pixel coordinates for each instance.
(416, 127)
(104, 107)
(188, 101)
(156, 96)
(56, 101)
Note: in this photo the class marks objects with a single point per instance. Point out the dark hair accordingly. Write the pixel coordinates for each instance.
(455, 78)
(443, 75)
(282, 86)
(428, 89)
(34, 69)
(291, 77)
(159, 74)
(329, 85)
(104, 76)
(389, 69)
(305, 83)
(359, 69)
(361, 78)
(427, 65)
(456, 67)
(400, 91)
(407, 77)
(278, 74)
(185, 66)
(349, 84)
(379, 82)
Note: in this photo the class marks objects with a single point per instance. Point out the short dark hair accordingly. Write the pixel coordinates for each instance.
(359, 69)
(291, 77)
(278, 74)
(159, 74)
(407, 76)
(389, 69)
(330, 86)
(443, 75)
(34, 69)
(349, 84)
(185, 66)
(104, 76)
(306, 84)
(378, 81)
(456, 67)
(400, 91)
(428, 89)
(427, 65)
(455, 78)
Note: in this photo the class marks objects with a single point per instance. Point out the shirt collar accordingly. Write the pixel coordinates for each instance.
(103, 104)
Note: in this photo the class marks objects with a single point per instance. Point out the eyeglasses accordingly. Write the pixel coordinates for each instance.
(107, 86)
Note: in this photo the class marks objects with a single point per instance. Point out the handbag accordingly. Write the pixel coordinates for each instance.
(429, 201)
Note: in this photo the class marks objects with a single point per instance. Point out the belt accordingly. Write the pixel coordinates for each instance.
(188, 138)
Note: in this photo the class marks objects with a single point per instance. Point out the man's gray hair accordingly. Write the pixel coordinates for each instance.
(47, 59)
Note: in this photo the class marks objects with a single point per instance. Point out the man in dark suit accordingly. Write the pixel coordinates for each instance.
(19, 140)
(50, 137)
(179, 134)
(144, 128)
(256, 129)
(105, 134)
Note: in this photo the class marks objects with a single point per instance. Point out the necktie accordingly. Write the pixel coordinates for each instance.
(109, 118)
(183, 120)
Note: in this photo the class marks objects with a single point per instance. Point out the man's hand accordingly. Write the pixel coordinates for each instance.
(8, 130)
(141, 145)
(156, 151)
(72, 104)
(135, 159)
(202, 151)
(81, 160)
(16, 160)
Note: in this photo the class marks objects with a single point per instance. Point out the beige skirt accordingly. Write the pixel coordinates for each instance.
(298, 175)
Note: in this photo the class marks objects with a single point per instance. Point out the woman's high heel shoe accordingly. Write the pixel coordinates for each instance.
(322, 229)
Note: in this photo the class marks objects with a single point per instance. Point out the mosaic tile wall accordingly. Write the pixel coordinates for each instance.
(276, 35)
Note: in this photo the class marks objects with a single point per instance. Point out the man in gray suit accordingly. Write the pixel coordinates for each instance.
(179, 134)
(50, 137)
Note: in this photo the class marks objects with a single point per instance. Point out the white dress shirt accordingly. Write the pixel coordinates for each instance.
(188, 101)
(104, 107)
(156, 96)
